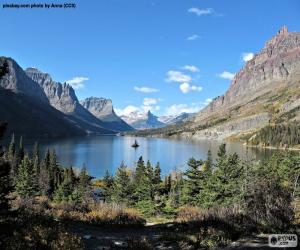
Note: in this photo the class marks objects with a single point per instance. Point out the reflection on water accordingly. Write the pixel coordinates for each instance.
(101, 153)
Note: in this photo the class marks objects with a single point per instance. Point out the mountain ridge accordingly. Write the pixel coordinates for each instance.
(265, 91)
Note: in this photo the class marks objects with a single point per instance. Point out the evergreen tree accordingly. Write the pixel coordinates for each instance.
(25, 179)
(21, 151)
(44, 175)
(12, 157)
(157, 174)
(228, 178)
(143, 186)
(12, 149)
(108, 185)
(5, 180)
(122, 186)
(84, 185)
(54, 172)
(208, 165)
(194, 181)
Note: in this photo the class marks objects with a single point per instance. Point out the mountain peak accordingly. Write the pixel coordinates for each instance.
(282, 34)
(283, 31)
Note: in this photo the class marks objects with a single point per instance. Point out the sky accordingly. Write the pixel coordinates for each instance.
(167, 56)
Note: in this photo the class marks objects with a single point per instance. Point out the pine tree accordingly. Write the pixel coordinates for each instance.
(21, 151)
(84, 185)
(228, 176)
(143, 186)
(54, 172)
(24, 182)
(12, 157)
(12, 149)
(44, 176)
(194, 181)
(66, 191)
(5, 179)
(122, 186)
(157, 175)
(108, 185)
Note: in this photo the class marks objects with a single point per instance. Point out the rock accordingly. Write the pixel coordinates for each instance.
(26, 108)
(63, 98)
(276, 64)
(15, 79)
(103, 109)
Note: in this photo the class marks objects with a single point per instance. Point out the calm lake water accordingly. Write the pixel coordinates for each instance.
(101, 153)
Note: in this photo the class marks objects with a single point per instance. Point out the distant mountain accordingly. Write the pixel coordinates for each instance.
(103, 109)
(63, 98)
(263, 94)
(26, 108)
(143, 121)
(176, 119)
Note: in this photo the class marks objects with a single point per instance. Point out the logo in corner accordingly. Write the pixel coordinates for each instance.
(283, 240)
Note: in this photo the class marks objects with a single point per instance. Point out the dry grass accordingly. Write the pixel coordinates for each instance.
(194, 214)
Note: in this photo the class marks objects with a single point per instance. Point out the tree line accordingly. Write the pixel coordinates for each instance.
(28, 175)
(278, 135)
(263, 190)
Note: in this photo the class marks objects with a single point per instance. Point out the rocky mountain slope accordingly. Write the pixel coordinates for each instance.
(265, 91)
(26, 108)
(103, 109)
(63, 98)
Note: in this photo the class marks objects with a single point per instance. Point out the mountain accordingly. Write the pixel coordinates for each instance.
(14, 78)
(143, 121)
(176, 119)
(26, 108)
(63, 98)
(103, 109)
(266, 91)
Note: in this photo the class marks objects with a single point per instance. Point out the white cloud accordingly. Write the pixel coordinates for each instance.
(127, 110)
(146, 108)
(150, 101)
(193, 37)
(177, 76)
(190, 68)
(201, 12)
(227, 75)
(177, 109)
(139, 111)
(186, 87)
(146, 89)
(77, 82)
(247, 56)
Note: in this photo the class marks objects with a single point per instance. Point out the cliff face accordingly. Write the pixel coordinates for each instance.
(12, 77)
(63, 98)
(103, 109)
(276, 65)
(26, 108)
(265, 91)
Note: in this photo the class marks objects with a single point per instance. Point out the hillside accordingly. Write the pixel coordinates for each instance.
(264, 92)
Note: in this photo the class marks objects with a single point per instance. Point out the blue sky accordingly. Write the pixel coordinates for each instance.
(163, 55)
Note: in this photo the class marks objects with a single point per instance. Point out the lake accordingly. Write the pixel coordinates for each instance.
(101, 153)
